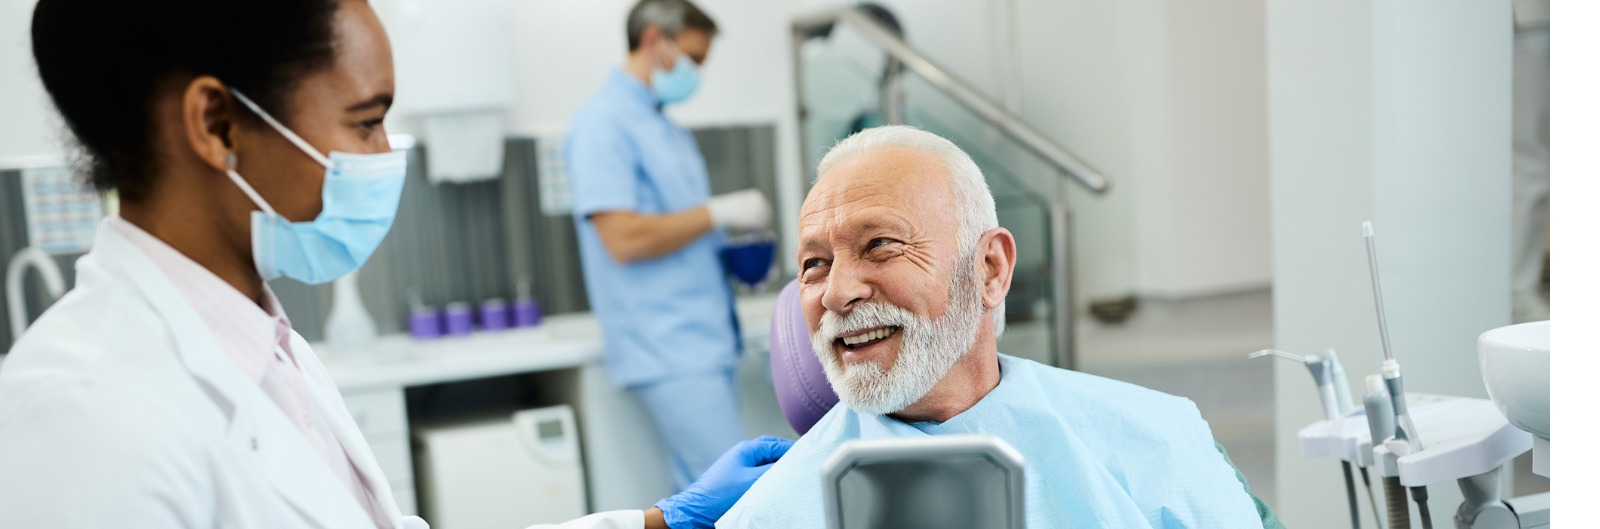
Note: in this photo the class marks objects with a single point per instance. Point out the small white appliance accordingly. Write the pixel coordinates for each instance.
(514, 472)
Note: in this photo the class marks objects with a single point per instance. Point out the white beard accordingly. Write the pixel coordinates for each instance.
(929, 347)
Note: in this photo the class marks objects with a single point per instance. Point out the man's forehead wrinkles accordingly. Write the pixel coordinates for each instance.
(890, 192)
(833, 203)
(865, 220)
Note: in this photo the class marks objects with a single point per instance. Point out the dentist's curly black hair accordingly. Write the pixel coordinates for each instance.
(104, 61)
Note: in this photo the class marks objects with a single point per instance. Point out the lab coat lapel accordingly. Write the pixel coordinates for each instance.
(261, 432)
(331, 403)
(301, 475)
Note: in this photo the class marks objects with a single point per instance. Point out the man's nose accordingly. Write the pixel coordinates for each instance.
(847, 286)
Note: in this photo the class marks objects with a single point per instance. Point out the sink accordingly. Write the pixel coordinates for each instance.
(1515, 361)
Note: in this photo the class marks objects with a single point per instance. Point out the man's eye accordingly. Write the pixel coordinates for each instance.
(810, 263)
(878, 242)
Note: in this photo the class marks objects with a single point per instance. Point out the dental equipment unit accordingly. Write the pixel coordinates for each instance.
(1469, 440)
(1404, 440)
(1404, 430)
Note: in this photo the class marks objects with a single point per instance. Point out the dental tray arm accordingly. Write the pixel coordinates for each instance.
(1467, 437)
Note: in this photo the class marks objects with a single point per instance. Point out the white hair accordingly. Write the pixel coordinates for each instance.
(974, 202)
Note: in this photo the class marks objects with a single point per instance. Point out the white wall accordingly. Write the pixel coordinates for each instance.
(565, 49)
(1216, 230)
(29, 127)
(1319, 67)
(1081, 85)
(1410, 129)
(1167, 99)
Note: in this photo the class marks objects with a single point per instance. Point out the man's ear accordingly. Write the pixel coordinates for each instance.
(997, 261)
(209, 121)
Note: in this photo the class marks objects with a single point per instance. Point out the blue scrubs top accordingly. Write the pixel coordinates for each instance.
(660, 317)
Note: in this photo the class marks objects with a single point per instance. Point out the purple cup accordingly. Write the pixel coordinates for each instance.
(494, 315)
(457, 319)
(425, 324)
(526, 313)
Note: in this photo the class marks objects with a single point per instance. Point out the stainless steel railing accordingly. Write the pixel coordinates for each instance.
(963, 93)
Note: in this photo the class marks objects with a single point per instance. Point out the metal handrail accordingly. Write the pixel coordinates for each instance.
(963, 93)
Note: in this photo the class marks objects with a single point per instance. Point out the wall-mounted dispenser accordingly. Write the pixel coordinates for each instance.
(455, 80)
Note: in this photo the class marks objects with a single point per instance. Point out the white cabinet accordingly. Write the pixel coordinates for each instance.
(381, 415)
(623, 461)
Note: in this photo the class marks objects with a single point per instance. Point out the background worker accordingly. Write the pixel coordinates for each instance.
(648, 230)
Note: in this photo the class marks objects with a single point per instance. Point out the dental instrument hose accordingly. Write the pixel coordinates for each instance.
(1420, 495)
(1394, 501)
(1341, 388)
(1350, 494)
(1372, 501)
(1380, 423)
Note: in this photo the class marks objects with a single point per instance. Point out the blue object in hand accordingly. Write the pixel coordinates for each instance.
(749, 261)
(720, 486)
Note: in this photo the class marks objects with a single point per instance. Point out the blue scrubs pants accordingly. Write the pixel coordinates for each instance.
(698, 418)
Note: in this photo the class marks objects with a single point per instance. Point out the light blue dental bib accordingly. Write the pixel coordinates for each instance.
(1099, 453)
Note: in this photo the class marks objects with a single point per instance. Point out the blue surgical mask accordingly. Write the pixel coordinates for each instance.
(360, 194)
(677, 84)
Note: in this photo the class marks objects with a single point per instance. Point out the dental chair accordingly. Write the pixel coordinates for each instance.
(802, 387)
(805, 396)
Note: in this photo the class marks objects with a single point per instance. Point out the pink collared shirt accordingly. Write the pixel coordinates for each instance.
(258, 342)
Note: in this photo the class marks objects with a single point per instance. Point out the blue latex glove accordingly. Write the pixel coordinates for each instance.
(720, 486)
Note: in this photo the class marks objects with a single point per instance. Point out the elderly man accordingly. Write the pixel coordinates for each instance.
(904, 273)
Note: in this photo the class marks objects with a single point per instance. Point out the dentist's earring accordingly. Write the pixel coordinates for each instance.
(233, 161)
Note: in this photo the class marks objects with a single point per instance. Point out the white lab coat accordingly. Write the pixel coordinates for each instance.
(119, 409)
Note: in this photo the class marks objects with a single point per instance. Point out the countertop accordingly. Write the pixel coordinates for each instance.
(559, 342)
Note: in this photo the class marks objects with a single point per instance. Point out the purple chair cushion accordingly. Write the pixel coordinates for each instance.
(803, 390)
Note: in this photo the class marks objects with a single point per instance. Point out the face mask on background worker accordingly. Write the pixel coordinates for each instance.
(360, 195)
(675, 85)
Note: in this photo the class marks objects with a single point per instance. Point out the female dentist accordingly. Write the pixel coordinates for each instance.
(246, 142)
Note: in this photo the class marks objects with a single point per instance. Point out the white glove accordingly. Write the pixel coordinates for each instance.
(746, 209)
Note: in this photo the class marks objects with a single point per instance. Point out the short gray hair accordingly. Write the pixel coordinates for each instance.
(974, 202)
(672, 16)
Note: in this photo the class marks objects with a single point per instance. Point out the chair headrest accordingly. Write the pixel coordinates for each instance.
(802, 386)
